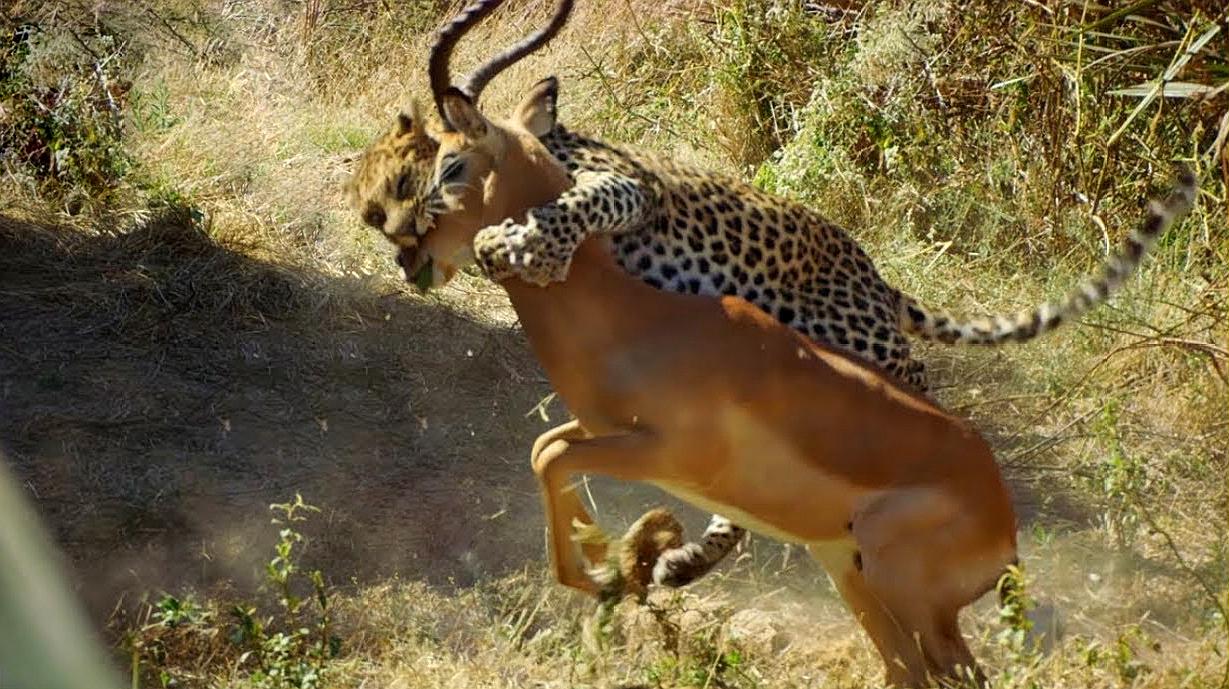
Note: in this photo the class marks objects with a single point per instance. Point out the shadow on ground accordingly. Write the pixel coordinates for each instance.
(161, 390)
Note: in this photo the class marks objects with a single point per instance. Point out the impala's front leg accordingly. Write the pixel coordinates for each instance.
(571, 509)
(620, 456)
(539, 251)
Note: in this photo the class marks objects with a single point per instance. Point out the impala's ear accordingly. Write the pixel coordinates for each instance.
(462, 115)
(537, 110)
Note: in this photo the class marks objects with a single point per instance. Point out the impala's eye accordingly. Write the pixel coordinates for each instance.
(405, 187)
(451, 167)
(374, 216)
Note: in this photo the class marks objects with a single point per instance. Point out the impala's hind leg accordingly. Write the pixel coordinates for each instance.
(932, 634)
(844, 567)
(924, 558)
(947, 647)
(618, 456)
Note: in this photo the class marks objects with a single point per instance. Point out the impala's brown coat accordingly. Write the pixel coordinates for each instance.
(721, 404)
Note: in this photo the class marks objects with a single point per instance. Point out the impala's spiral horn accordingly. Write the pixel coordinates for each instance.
(441, 50)
(480, 77)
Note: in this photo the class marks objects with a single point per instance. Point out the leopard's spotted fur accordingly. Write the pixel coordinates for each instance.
(706, 233)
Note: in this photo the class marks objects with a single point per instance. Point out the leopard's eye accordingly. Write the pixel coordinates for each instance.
(375, 217)
(405, 187)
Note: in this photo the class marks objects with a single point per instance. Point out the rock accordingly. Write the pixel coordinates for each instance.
(756, 632)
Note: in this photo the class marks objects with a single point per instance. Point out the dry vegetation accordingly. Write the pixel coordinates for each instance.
(192, 327)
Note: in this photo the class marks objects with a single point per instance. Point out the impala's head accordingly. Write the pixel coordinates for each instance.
(486, 171)
(394, 185)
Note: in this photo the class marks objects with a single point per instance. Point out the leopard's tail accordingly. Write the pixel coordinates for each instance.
(917, 320)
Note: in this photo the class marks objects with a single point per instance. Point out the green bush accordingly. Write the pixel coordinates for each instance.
(62, 111)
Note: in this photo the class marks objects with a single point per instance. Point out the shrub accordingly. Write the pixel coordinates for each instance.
(61, 110)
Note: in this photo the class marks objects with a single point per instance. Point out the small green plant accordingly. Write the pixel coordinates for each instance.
(1015, 604)
(178, 626)
(293, 654)
(286, 650)
(1042, 534)
(1122, 654)
(151, 109)
(1120, 478)
(171, 611)
(705, 664)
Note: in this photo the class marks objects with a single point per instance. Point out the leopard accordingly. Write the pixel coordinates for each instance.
(687, 229)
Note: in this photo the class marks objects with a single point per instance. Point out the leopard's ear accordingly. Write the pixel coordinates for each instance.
(405, 123)
(409, 120)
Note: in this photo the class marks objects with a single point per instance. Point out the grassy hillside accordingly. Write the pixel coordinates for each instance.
(193, 327)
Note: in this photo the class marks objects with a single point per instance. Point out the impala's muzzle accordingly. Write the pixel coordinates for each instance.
(418, 268)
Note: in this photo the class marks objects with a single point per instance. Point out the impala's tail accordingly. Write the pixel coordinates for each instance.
(931, 325)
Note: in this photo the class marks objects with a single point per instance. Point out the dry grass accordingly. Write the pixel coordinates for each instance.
(224, 333)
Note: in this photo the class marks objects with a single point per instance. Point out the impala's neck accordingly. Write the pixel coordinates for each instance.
(566, 322)
(526, 175)
(596, 307)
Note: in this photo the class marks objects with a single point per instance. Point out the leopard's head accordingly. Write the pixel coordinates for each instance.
(420, 183)
(392, 186)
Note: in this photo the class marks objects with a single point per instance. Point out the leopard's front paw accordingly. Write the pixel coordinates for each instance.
(523, 251)
(494, 253)
(541, 255)
(554, 268)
